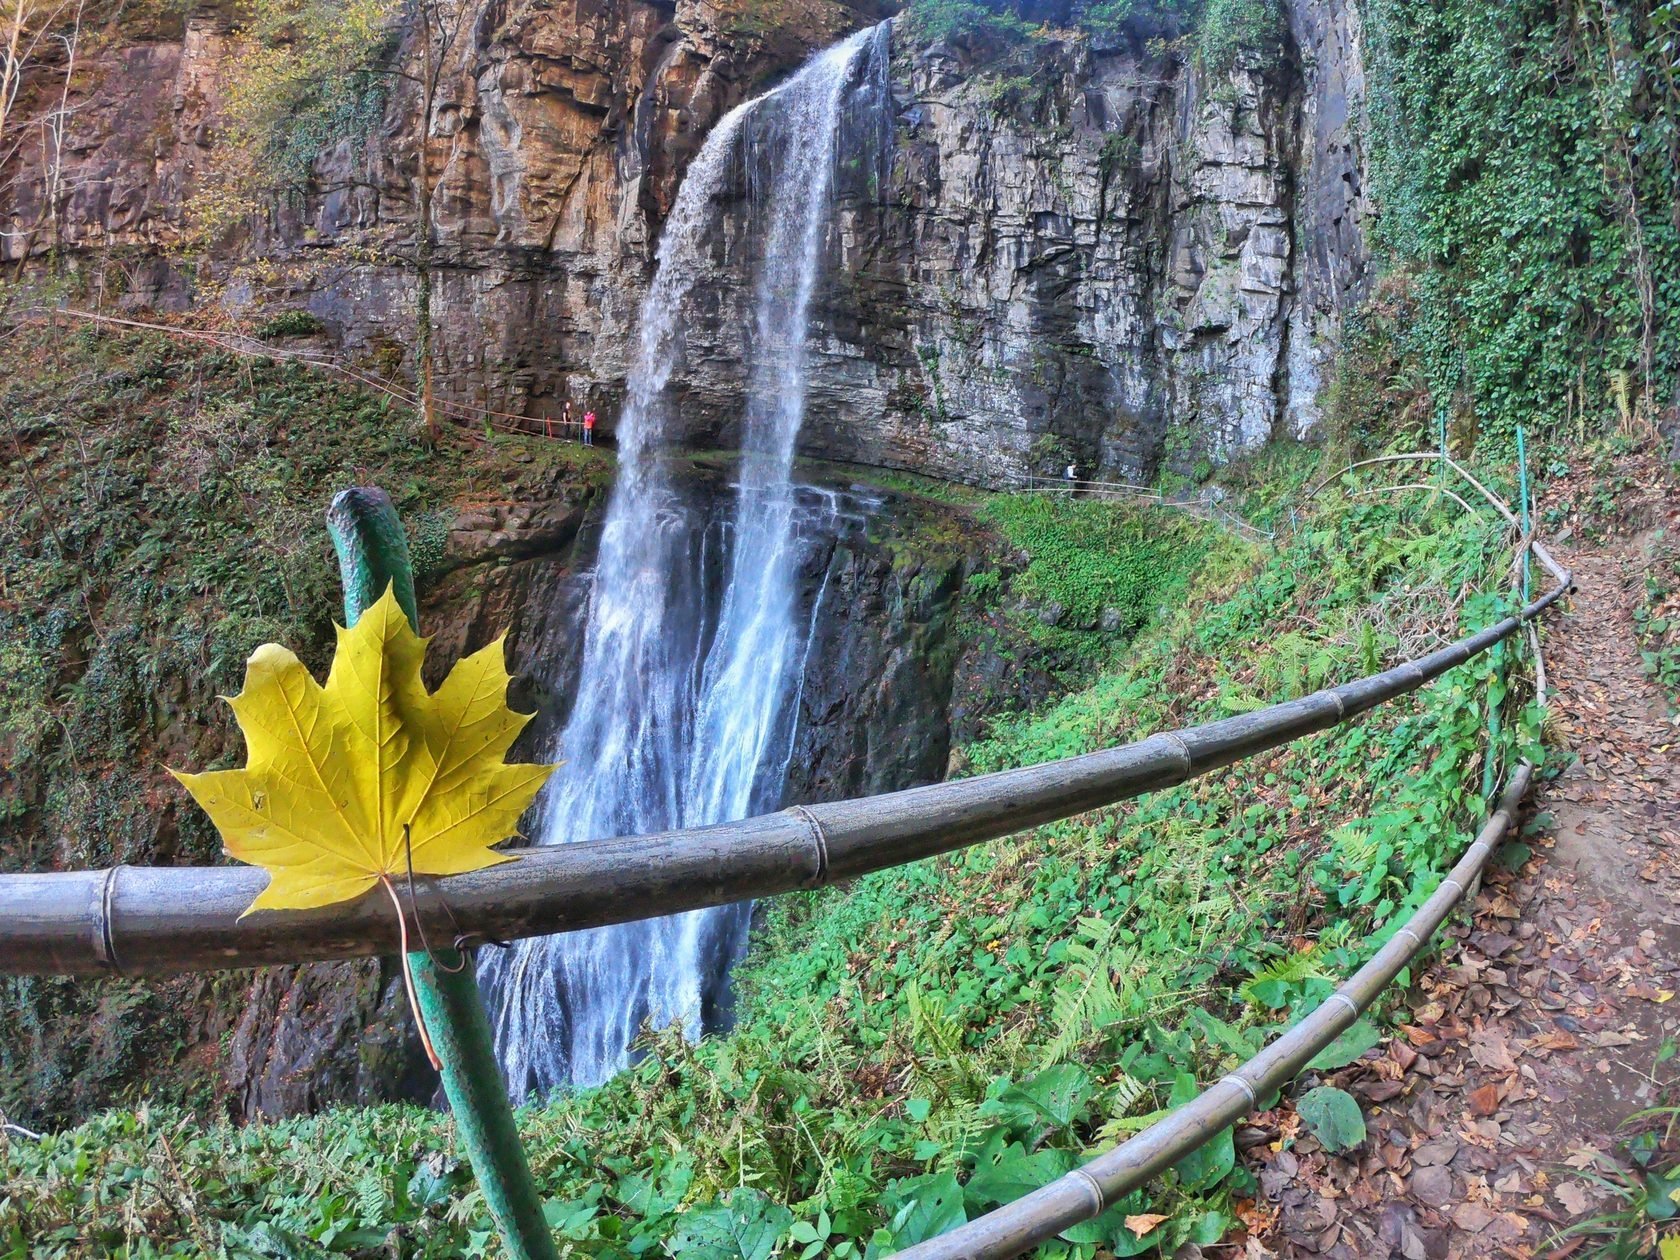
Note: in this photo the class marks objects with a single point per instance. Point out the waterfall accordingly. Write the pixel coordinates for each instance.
(682, 714)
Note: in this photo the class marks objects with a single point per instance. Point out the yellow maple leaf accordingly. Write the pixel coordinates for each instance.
(348, 783)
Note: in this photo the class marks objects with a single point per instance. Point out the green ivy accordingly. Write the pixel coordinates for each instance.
(1524, 158)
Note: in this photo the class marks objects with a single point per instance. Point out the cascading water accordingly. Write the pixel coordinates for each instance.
(682, 713)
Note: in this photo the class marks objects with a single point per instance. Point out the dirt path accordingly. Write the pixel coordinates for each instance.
(1537, 1035)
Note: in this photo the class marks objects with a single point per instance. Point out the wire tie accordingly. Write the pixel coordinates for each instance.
(106, 942)
(1176, 739)
(1345, 1000)
(1406, 931)
(1458, 888)
(819, 838)
(1096, 1191)
(1242, 1083)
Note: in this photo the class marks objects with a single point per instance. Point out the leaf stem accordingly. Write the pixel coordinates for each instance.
(408, 974)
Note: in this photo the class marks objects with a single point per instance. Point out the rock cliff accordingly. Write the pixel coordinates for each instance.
(1096, 249)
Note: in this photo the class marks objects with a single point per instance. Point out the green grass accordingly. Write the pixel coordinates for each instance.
(935, 1039)
(1088, 558)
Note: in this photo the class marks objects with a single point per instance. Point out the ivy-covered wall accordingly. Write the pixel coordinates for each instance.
(1524, 158)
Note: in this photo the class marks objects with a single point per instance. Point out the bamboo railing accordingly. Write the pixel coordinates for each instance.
(1196, 505)
(152, 920)
(142, 920)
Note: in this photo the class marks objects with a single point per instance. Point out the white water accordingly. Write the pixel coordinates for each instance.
(682, 715)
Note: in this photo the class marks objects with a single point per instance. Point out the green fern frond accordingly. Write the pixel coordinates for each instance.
(1291, 969)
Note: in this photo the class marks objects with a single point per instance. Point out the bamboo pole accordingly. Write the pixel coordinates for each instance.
(373, 554)
(156, 920)
(1091, 1189)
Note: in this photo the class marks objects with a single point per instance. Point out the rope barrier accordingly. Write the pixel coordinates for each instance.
(250, 347)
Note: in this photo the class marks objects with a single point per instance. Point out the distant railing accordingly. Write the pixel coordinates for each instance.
(235, 342)
(1194, 504)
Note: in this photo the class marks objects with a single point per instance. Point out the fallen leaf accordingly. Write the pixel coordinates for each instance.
(1573, 1198)
(1143, 1223)
(1484, 1101)
(1582, 1157)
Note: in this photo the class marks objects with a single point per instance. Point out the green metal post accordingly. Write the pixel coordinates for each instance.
(1522, 487)
(373, 554)
(1497, 656)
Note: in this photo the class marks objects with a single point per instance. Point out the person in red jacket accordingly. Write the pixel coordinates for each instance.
(589, 428)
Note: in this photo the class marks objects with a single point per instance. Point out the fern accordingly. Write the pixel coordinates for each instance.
(1355, 847)
(1292, 969)
(1086, 999)
(370, 1197)
(948, 1069)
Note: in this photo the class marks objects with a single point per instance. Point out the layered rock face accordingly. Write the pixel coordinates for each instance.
(1094, 250)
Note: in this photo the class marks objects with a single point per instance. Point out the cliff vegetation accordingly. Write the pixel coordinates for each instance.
(1524, 157)
(159, 519)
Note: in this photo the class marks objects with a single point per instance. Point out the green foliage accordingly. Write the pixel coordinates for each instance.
(293, 323)
(1219, 33)
(1524, 157)
(1228, 29)
(939, 1038)
(1091, 556)
(939, 21)
(302, 77)
(1333, 1117)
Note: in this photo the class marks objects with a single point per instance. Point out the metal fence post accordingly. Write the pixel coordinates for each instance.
(1522, 489)
(373, 554)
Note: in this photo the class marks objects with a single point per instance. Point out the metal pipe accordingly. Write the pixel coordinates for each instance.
(373, 554)
(156, 920)
(1089, 1190)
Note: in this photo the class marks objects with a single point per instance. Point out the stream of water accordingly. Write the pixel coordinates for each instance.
(685, 705)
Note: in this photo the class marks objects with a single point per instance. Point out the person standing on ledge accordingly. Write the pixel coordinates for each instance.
(589, 428)
(566, 421)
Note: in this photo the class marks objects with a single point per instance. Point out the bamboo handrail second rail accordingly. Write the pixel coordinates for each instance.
(1092, 1188)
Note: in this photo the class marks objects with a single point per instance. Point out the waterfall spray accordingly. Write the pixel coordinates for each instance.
(682, 715)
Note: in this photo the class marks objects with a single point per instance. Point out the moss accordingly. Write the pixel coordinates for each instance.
(164, 519)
